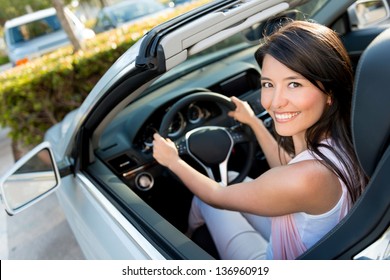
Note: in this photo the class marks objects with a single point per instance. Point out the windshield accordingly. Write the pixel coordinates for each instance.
(306, 11)
(31, 30)
(235, 43)
(312, 7)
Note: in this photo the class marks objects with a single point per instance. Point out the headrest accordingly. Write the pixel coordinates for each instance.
(371, 103)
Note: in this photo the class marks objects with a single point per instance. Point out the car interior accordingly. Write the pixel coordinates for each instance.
(189, 104)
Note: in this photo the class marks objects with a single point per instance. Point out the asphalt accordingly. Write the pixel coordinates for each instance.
(41, 232)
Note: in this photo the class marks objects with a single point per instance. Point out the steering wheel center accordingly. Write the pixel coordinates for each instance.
(210, 145)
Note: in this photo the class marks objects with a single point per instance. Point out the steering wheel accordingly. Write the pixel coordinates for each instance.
(211, 146)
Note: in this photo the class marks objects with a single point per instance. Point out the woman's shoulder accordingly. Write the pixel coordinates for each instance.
(324, 147)
(307, 182)
(320, 186)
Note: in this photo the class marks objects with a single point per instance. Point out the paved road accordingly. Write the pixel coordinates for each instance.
(38, 233)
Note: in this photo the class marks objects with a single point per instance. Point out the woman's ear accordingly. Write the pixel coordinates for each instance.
(329, 100)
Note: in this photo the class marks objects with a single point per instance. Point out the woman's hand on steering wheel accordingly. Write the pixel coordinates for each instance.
(164, 150)
(243, 112)
(210, 146)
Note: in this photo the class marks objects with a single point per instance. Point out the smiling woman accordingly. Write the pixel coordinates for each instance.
(329, 180)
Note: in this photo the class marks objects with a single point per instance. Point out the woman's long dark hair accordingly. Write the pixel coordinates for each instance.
(316, 52)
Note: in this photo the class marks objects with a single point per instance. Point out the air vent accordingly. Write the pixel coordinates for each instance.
(122, 163)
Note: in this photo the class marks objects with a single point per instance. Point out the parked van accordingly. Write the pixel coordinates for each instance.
(38, 33)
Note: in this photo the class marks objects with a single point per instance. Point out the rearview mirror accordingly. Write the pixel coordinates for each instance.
(33, 177)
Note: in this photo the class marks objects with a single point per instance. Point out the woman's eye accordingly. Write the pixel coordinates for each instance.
(266, 85)
(294, 85)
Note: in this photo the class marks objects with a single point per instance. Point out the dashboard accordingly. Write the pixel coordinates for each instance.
(194, 115)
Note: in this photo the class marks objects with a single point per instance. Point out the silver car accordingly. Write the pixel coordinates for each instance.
(34, 34)
(178, 78)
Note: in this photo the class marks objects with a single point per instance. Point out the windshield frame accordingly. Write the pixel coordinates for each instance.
(236, 43)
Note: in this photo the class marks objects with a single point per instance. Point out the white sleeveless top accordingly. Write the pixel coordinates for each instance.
(293, 234)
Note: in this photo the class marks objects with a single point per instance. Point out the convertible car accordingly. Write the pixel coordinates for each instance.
(178, 80)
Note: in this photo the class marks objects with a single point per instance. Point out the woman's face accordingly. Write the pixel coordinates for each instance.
(294, 103)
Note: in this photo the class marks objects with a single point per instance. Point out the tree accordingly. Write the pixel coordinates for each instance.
(103, 3)
(59, 6)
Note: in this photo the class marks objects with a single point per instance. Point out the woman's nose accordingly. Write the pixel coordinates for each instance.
(279, 99)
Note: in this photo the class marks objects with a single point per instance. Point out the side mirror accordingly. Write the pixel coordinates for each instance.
(366, 13)
(33, 177)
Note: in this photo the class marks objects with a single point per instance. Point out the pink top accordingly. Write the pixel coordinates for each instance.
(293, 234)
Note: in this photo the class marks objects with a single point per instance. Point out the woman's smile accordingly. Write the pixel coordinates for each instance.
(283, 117)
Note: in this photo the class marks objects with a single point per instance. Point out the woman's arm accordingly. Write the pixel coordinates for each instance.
(244, 114)
(165, 152)
(306, 186)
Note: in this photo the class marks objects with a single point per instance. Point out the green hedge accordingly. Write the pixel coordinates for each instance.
(37, 95)
(3, 59)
